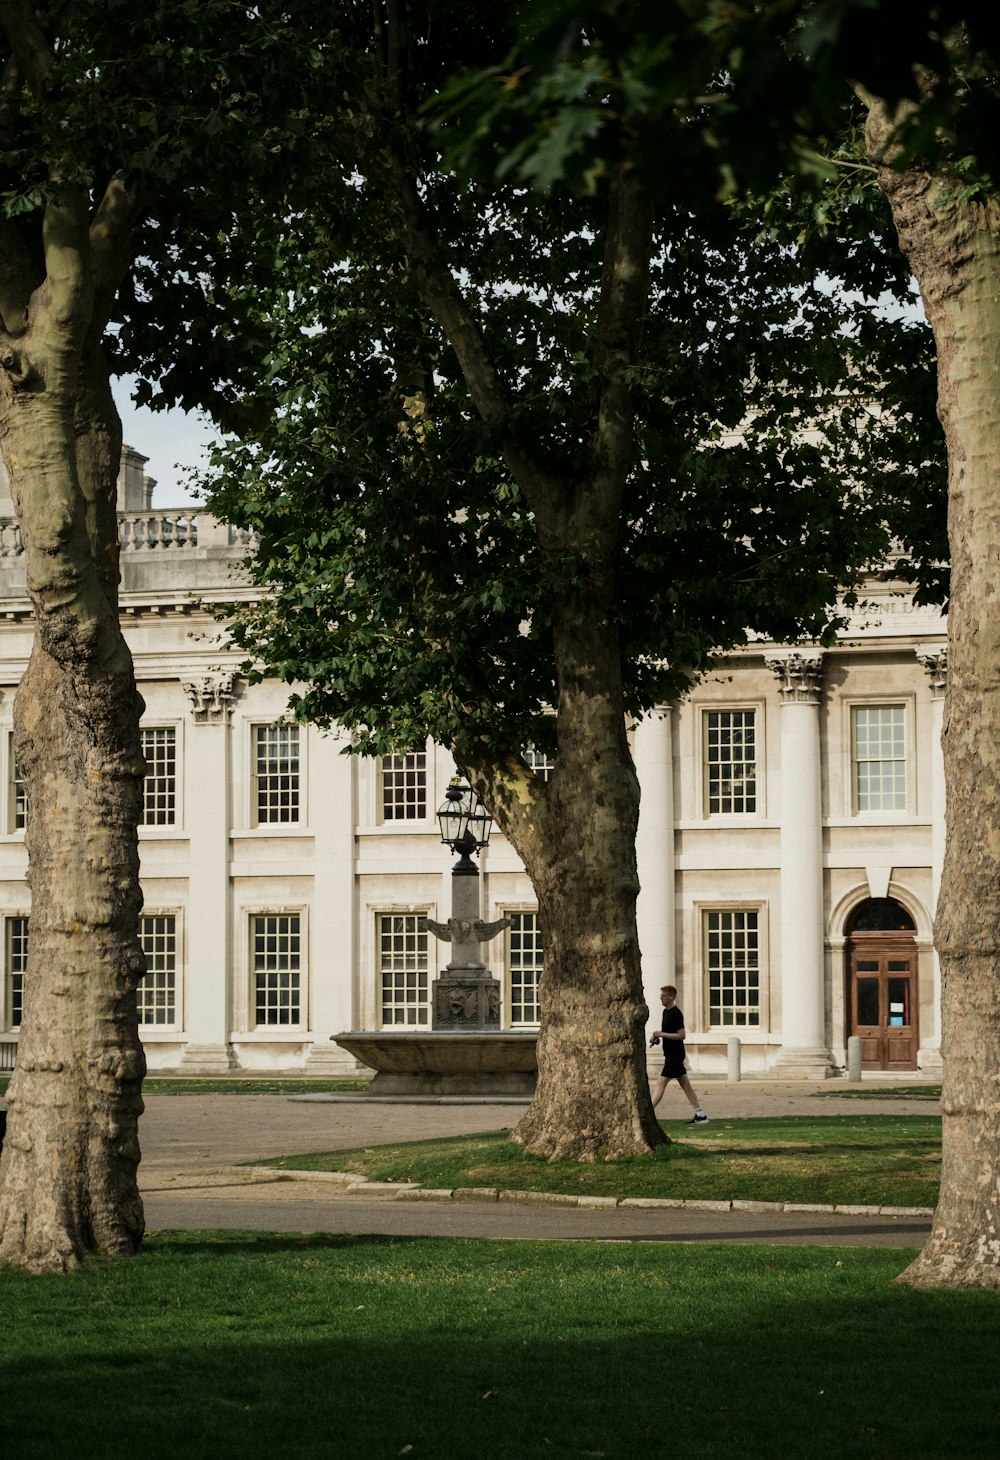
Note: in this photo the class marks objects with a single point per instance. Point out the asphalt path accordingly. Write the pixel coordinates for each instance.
(192, 1174)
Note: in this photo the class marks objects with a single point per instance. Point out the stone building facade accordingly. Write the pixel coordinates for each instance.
(790, 841)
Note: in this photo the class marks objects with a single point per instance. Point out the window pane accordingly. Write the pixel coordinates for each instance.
(868, 1013)
(731, 762)
(403, 984)
(899, 1001)
(276, 968)
(159, 746)
(404, 787)
(538, 762)
(733, 968)
(879, 757)
(16, 961)
(156, 994)
(526, 960)
(276, 774)
(17, 801)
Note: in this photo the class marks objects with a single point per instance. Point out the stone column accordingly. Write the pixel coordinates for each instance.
(805, 1052)
(208, 817)
(935, 661)
(334, 995)
(654, 846)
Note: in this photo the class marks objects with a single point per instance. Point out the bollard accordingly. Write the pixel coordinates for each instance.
(734, 1049)
(854, 1057)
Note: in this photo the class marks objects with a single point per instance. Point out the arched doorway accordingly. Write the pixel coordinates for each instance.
(882, 984)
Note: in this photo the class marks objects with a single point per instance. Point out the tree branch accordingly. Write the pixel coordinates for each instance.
(620, 318)
(67, 265)
(446, 302)
(26, 39)
(111, 248)
(18, 277)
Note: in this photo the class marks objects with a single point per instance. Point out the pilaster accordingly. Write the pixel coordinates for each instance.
(934, 659)
(805, 1051)
(209, 914)
(334, 996)
(654, 846)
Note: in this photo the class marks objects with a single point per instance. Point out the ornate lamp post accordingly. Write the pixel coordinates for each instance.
(465, 997)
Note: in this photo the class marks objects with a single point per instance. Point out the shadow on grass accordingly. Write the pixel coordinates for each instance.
(804, 1148)
(358, 1347)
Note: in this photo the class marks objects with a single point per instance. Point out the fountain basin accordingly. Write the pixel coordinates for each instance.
(426, 1062)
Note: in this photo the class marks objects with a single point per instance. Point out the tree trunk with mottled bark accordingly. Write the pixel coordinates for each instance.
(68, 1178)
(576, 837)
(953, 248)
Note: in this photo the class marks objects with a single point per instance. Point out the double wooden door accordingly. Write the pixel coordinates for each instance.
(882, 977)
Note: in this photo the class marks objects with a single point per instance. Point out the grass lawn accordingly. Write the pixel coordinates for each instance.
(193, 1085)
(165, 1085)
(881, 1160)
(244, 1346)
(890, 1092)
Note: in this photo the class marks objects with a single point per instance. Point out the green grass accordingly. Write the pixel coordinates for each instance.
(165, 1085)
(894, 1092)
(209, 1085)
(235, 1346)
(883, 1160)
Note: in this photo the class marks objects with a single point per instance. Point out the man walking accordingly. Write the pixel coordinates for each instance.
(672, 1034)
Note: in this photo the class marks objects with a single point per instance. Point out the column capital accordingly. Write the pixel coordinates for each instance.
(799, 673)
(211, 695)
(934, 658)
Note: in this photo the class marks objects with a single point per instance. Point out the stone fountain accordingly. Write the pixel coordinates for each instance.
(464, 1052)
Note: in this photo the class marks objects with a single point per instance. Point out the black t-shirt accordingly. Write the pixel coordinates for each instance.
(672, 1022)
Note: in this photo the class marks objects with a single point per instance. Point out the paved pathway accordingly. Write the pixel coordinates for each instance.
(192, 1143)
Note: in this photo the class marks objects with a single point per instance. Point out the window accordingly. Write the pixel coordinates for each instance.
(277, 962)
(730, 762)
(159, 789)
(733, 965)
(539, 762)
(15, 967)
(156, 994)
(878, 741)
(276, 774)
(404, 787)
(17, 801)
(525, 960)
(402, 970)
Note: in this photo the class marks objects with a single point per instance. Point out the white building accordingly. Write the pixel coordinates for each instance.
(790, 841)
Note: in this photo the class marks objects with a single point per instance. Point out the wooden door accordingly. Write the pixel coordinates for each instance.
(882, 972)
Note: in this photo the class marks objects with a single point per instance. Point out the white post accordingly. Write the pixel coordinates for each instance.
(654, 846)
(854, 1058)
(805, 1052)
(734, 1051)
(208, 816)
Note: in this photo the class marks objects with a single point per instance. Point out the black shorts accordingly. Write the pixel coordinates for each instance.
(673, 1068)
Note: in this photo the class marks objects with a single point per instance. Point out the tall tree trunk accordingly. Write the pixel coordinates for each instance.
(576, 837)
(953, 248)
(68, 1178)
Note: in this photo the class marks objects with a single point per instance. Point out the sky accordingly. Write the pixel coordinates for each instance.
(173, 441)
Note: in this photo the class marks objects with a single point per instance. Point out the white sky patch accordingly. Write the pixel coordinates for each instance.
(174, 440)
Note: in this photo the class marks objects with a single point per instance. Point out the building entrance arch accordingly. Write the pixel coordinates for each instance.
(882, 984)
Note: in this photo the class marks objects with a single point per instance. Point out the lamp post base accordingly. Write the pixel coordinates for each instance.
(465, 1002)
